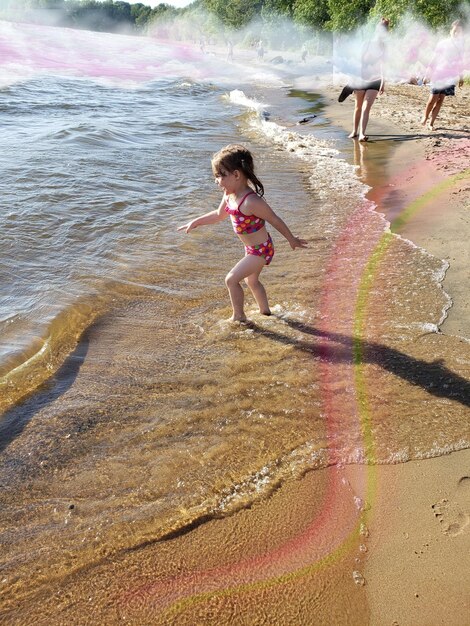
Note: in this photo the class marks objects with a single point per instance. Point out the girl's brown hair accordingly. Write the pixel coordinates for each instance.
(236, 157)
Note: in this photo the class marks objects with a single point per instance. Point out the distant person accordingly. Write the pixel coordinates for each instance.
(444, 72)
(234, 173)
(229, 50)
(260, 50)
(370, 84)
(304, 53)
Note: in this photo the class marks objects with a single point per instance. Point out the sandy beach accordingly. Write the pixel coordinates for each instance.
(405, 561)
(377, 544)
(418, 160)
(343, 545)
(417, 567)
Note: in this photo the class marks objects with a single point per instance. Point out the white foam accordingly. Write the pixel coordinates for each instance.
(238, 97)
(329, 171)
(439, 449)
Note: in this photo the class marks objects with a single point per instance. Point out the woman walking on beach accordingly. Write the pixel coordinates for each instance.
(233, 169)
(371, 83)
(444, 72)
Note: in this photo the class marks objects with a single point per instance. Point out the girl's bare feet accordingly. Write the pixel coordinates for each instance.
(240, 320)
(363, 138)
(423, 121)
(352, 135)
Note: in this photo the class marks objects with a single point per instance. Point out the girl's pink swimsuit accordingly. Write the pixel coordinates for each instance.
(248, 224)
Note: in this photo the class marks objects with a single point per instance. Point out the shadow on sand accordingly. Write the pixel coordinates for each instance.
(434, 377)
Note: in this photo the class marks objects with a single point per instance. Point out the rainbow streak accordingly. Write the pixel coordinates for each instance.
(368, 277)
(421, 202)
(262, 585)
(294, 558)
(28, 51)
(365, 286)
(360, 315)
(286, 558)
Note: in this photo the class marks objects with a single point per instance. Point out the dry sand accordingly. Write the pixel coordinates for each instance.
(418, 569)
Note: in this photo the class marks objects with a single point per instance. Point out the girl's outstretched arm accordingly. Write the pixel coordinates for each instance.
(208, 218)
(261, 208)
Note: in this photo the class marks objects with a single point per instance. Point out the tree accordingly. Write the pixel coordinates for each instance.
(140, 14)
(236, 13)
(122, 12)
(394, 10)
(313, 13)
(345, 16)
(335, 15)
(438, 13)
(277, 7)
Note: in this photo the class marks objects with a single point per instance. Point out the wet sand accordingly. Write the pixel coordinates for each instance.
(417, 162)
(391, 546)
(286, 560)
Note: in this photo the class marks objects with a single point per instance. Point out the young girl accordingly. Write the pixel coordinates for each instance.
(234, 173)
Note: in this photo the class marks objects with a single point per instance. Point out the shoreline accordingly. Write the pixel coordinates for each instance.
(311, 552)
(419, 523)
(419, 161)
(379, 544)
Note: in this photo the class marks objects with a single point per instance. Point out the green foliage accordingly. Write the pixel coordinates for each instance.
(346, 16)
(313, 13)
(277, 7)
(236, 13)
(394, 10)
(110, 15)
(437, 14)
(140, 14)
(212, 16)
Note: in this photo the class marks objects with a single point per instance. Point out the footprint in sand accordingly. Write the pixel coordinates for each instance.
(454, 515)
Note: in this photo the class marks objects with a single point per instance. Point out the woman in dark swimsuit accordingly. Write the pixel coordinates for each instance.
(372, 84)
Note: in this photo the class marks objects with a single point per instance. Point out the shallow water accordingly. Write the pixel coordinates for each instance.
(163, 414)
